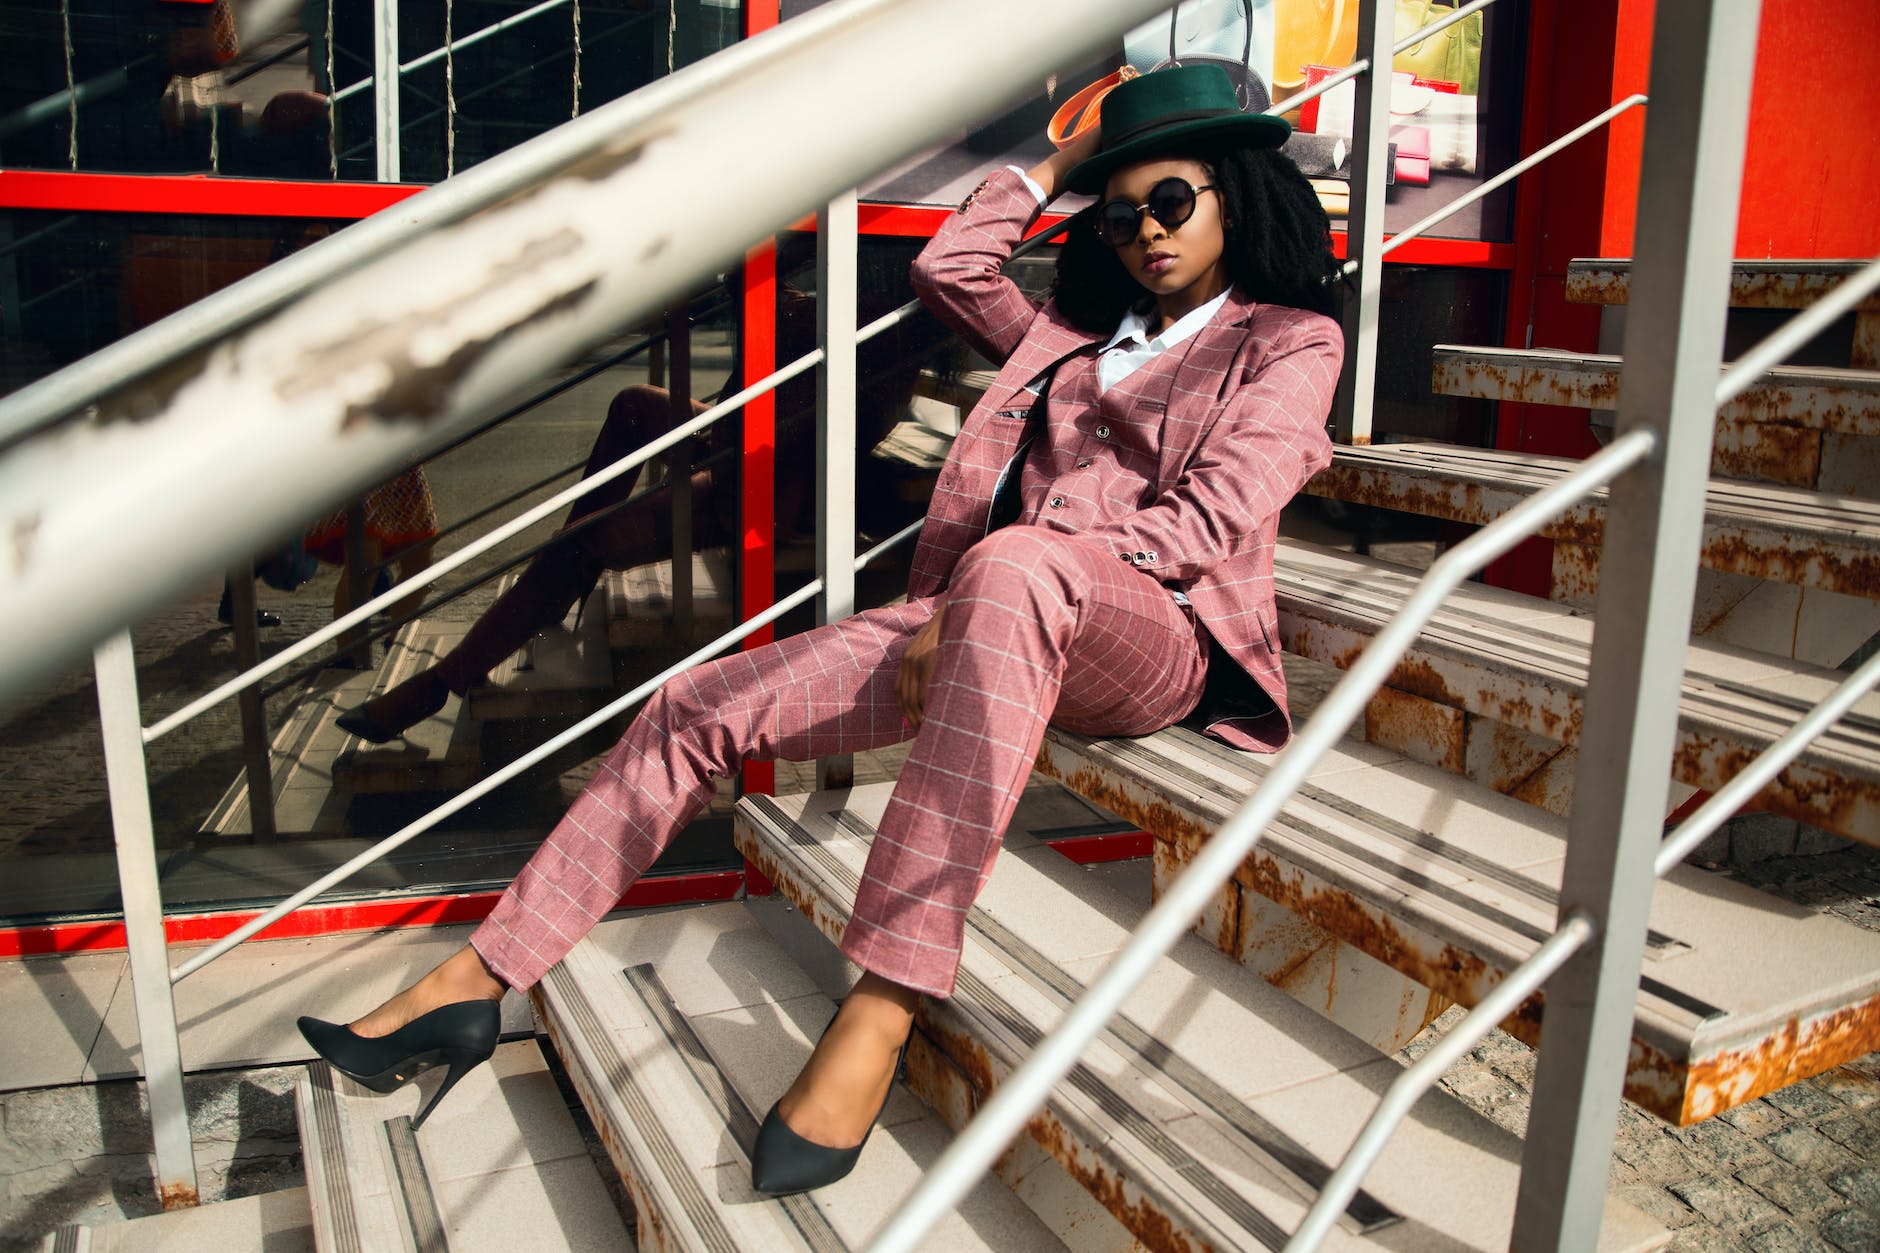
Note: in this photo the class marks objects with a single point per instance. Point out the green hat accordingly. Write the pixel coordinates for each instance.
(1159, 112)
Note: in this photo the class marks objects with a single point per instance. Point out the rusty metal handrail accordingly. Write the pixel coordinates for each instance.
(975, 1149)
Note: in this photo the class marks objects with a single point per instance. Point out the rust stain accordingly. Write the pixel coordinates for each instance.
(150, 395)
(1426, 730)
(25, 535)
(1111, 1190)
(177, 1196)
(1767, 453)
(423, 391)
(1842, 803)
(931, 1076)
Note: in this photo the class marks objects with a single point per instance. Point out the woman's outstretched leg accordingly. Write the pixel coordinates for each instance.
(823, 692)
(558, 577)
(1039, 626)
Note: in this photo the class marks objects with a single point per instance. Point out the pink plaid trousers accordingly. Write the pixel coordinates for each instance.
(1040, 626)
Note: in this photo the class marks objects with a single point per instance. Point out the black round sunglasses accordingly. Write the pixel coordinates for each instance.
(1171, 202)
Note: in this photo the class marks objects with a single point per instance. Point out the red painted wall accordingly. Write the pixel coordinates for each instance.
(1811, 180)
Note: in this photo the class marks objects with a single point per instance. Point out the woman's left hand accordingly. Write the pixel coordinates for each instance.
(910, 681)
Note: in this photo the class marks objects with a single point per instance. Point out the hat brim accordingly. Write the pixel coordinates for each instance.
(1254, 130)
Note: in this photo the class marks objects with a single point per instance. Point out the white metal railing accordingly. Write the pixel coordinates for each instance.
(1646, 444)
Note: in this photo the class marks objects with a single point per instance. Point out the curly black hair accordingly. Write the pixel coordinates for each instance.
(1278, 243)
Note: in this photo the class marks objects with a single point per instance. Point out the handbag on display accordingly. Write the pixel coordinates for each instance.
(1444, 118)
(1236, 35)
(1452, 55)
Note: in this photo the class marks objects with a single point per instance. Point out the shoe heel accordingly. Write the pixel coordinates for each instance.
(461, 1063)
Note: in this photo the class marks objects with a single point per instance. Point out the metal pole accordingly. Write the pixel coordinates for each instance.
(385, 84)
(1364, 230)
(679, 463)
(1690, 177)
(121, 722)
(838, 241)
(358, 588)
(241, 603)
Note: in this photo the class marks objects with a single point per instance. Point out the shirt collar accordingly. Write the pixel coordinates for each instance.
(1135, 327)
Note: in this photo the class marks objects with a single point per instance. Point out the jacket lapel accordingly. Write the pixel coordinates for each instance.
(1213, 352)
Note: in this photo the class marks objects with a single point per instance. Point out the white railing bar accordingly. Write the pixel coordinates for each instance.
(1512, 172)
(1768, 764)
(901, 536)
(799, 597)
(206, 321)
(974, 1150)
(477, 36)
(483, 787)
(318, 400)
(430, 574)
(1428, 1070)
(1359, 66)
(477, 547)
(1804, 326)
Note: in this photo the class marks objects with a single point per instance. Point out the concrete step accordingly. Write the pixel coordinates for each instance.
(1800, 426)
(565, 671)
(1773, 284)
(639, 601)
(442, 753)
(1164, 1120)
(1493, 659)
(1816, 541)
(499, 1166)
(301, 760)
(279, 1222)
(1453, 885)
(679, 1031)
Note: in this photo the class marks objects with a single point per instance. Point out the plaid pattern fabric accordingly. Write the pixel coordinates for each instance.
(1042, 623)
(1243, 431)
(1039, 626)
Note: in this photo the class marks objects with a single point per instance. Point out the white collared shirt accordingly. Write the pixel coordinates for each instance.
(1132, 347)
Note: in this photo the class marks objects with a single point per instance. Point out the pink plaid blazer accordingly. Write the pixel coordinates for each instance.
(1245, 429)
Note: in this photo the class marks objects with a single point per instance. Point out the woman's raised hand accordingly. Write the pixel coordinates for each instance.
(910, 681)
(1050, 173)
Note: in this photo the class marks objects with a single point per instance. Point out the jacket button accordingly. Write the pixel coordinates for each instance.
(1126, 557)
(1103, 432)
(1142, 557)
(1057, 502)
(1083, 465)
(1154, 557)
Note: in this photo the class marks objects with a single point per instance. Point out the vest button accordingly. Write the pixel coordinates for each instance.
(1083, 465)
(1057, 502)
(1103, 432)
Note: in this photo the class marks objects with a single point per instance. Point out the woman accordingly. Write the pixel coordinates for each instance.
(1160, 409)
(610, 529)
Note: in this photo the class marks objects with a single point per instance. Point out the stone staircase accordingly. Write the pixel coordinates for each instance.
(1205, 1117)
(1420, 863)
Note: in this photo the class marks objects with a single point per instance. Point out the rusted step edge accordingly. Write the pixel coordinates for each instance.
(1832, 546)
(1840, 401)
(1772, 284)
(1690, 1060)
(1467, 660)
(1088, 1126)
(667, 1195)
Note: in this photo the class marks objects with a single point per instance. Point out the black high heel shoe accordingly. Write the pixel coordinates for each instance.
(783, 1162)
(385, 718)
(461, 1036)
